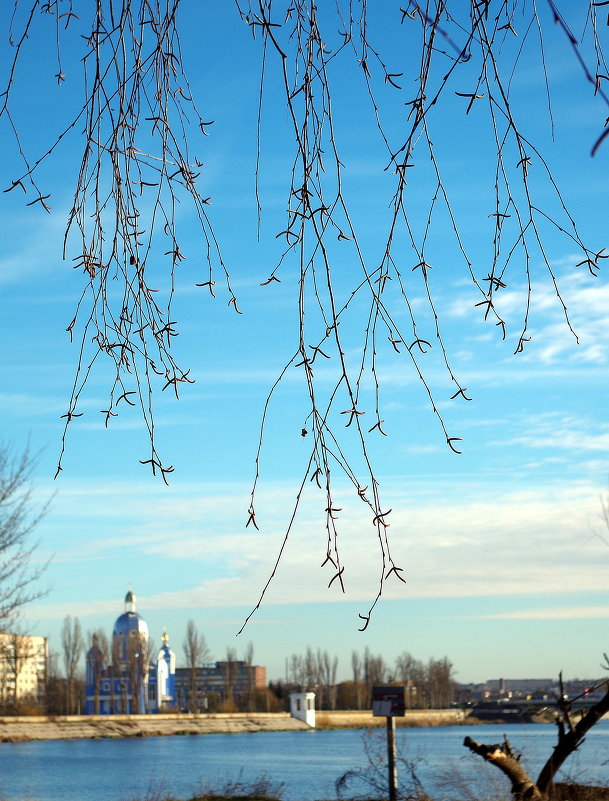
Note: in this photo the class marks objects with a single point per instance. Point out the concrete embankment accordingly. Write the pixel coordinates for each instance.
(363, 719)
(17, 729)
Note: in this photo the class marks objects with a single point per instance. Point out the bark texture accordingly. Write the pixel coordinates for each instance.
(570, 736)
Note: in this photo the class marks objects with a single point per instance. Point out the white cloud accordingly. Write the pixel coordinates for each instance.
(454, 541)
(552, 343)
(27, 405)
(556, 613)
(554, 431)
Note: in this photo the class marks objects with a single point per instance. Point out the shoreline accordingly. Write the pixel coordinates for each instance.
(80, 727)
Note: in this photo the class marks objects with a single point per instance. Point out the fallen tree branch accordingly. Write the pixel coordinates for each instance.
(570, 736)
(501, 755)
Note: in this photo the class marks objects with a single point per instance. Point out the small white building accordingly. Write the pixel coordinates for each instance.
(302, 707)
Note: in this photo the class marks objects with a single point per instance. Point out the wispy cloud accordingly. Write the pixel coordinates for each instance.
(554, 431)
(554, 613)
(25, 256)
(453, 542)
(553, 344)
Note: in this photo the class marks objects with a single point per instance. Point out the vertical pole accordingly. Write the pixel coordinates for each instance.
(391, 760)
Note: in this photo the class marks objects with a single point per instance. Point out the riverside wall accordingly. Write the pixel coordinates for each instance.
(71, 727)
(363, 719)
(74, 727)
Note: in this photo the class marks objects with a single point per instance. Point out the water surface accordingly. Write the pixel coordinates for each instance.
(307, 763)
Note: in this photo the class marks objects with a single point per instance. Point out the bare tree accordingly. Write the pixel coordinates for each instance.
(137, 670)
(97, 660)
(138, 120)
(72, 646)
(248, 658)
(55, 686)
(196, 652)
(296, 672)
(231, 668)
(326, 670)
(571, 734)
(604, 516)
(19, 574)
(440, 683)
(304, 670)
(310, 664)
(150, 653)
(375, 672)
(356, 667)
(410, 672)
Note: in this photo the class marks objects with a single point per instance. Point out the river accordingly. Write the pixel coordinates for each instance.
(306, 763)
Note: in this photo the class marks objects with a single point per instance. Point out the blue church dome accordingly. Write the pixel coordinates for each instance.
(129, 626)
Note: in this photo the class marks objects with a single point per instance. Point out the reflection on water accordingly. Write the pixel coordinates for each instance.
(307, 763)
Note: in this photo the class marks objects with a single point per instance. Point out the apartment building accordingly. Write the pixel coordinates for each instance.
(23, 668)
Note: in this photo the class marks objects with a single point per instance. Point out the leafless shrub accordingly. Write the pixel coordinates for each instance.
(370, 780)
(261, 789)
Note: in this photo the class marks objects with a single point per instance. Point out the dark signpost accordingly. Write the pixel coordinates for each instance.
(390, 702)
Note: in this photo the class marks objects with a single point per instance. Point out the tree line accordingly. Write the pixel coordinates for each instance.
(428, 685)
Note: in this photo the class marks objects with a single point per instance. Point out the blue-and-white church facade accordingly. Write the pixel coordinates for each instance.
(126, 680)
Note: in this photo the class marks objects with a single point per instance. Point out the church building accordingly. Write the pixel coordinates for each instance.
(126, 680)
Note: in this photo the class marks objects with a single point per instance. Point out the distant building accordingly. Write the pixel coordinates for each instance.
(506, 689)
(23, 668)
(235, 679)
(519, 687)
(127, 681)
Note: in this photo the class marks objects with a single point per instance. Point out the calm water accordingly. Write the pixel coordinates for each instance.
(307, 763)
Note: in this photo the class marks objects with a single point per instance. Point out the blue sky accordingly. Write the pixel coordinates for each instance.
(506, 573)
